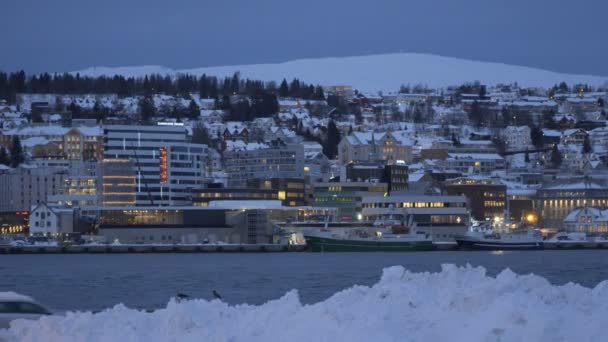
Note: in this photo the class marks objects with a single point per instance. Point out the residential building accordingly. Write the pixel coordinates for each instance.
(51, 220)
(372, 146)
(277, 160)
(517, 138)
(587, 220)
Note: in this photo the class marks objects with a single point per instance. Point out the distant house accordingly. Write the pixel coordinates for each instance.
(574, 136)
(372, 146)
(50, 220)
(587, 220)
(236, 131)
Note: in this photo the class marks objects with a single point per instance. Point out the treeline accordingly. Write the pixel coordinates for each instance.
(206, 86)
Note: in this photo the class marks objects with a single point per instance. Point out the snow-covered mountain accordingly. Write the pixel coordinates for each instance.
(375, 72)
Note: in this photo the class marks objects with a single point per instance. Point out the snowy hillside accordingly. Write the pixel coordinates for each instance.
(456, 304)
(376, 72)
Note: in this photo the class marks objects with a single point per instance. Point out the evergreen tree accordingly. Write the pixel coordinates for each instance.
(556, 157)
(527, 157)
(193, 110)
(319, 93)
(4, 159)
(146, 108)
(284, 89)
(476, 114)
(600, 102)
(200, 135)
(330, 148)
(587, 145)
(536, 136)
(506, 116)
(17, 156)
(417, 115)
(482, 92)
(455, 140)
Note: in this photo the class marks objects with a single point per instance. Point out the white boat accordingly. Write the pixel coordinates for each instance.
(16, 306)
(499, 235)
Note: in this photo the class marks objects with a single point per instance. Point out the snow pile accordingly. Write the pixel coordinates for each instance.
(385, 72)
(456, 304)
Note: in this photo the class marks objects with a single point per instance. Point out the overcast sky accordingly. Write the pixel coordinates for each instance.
(67, 35)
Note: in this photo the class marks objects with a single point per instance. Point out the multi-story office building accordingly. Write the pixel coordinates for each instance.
(346, 196)
(167, 168)
(277, 160)
(486, 197)
(395, 175)
(117, 186)
(25, 186)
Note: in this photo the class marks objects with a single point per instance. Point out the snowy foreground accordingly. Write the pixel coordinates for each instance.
(456, 304)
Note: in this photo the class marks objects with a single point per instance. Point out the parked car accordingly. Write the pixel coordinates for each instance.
(16, 306)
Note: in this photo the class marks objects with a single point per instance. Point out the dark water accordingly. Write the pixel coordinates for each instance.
(94, 282)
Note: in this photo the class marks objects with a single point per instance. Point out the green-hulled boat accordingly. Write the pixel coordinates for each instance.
(357, 241)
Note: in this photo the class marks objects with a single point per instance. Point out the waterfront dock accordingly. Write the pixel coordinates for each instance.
(138, 248)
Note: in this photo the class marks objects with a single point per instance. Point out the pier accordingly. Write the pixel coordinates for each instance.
(124, 249)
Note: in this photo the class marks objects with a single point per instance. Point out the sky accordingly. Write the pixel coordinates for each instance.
(70, 35)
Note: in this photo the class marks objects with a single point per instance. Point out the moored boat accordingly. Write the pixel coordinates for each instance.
(495, 240)
(364, 240)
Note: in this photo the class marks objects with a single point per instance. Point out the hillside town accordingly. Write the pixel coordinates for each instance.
(197, 160)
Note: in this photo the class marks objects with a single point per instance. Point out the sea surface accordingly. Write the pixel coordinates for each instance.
(148, 281)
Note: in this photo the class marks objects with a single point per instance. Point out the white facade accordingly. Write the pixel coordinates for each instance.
(45, 219)
(517, 138)
(587, 220)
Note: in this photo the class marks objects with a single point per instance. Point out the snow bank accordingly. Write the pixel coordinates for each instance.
(456, 304)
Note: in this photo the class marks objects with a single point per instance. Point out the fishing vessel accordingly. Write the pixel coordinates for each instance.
(501, 235)
(388, 234)
(365, 240)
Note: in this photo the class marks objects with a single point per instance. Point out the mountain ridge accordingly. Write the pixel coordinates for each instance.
(383, 72)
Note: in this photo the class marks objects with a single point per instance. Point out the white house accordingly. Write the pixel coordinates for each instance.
(46, 219)
(517, 138)
(587, 220)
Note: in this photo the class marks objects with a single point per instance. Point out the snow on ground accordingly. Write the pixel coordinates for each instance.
(456, 304)
(375, 72)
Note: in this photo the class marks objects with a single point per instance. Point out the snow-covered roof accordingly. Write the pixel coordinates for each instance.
(34, 141)
(480, 156)
(576, 185)
(238, 145)
(598, 214)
